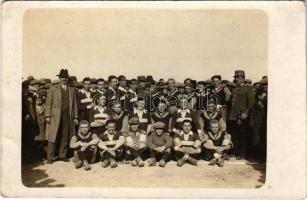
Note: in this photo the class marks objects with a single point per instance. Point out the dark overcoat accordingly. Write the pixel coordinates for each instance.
(53, 110)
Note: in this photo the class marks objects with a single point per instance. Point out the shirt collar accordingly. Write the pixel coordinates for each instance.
(190, 133)
(122, 89)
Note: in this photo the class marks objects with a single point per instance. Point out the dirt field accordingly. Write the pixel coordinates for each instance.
(234, 174)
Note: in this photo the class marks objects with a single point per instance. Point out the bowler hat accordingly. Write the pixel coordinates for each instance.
(63, 73)
(239, 73)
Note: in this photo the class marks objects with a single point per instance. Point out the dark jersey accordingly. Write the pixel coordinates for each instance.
(109, 139)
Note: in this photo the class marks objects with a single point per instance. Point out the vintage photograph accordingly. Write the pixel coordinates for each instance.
(144, 98)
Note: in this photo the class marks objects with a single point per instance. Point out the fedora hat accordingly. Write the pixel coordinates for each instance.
(63, 73)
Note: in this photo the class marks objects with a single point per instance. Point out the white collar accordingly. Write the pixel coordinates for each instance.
(122, 89)
(137, 110)
(186, 110)
(190, 133)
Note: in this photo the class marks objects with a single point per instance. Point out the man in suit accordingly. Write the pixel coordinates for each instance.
(242, 100)
(61, 115)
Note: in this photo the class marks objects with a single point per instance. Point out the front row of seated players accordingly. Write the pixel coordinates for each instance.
(186, 144)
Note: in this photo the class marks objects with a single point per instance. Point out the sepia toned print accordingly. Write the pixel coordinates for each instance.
(144, 98)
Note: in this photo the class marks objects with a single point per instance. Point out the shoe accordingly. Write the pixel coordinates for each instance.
(151, 162)
(105, 163)
(239, 158)
(49, 162)
(180, 162)
(192, 161)
(134, 163)
(162, 163)
(220, 162)
(212, 161)
(86, 166)
(140, 162)
(113, 163)
(78, 164)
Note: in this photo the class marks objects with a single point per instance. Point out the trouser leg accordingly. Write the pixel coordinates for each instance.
(178, 155)
(165, 155)
(50, 150)
(153, 153)
(64, 139)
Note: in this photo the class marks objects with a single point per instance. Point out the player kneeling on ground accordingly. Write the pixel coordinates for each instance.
(216, 143)
(186, 144)
(111, 145)
(135, 143)
(84, 145)
(159, 143)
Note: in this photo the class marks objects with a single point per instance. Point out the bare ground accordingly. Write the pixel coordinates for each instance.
(234, 174)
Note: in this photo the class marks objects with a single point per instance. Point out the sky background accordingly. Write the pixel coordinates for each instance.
(162, 43)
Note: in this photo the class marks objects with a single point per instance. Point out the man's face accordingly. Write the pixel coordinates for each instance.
(114, 83)
(84, 128)
(111, 128)
(248, 84)
(216, 82)
(142, 84)
(134, 127)
(102, 101)
(63, 80)
(186, 127)
(181, 90)
(87, 85)
(200, 87)
(239, 80)
(184, 104)
(171, 84)
(140, 105)
(94, 86)
(211, 107)
(164, 91)
(159, 131)
(152, 88)
(215, 128)
(188, 89)
(100, 85)
(106, 85)
(133, 86)
(39, 102)
(117, 108)
(123, 83)
(161, 107)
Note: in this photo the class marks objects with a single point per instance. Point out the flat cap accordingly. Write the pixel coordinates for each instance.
(248, 81)
(239, 73)
(133, 120)
(35, 82)
(159, 125)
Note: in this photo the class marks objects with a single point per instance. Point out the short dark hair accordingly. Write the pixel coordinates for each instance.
(201, 83)
(187, 121)
(110, 121)
(121, 77)
(86, 79)
(111, 77)
(84, 122)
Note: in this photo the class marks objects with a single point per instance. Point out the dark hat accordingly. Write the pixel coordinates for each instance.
(100, 80)
(225, 81)
(133, 81)
(43, 81)
(149, 79)
(78, 85)
(140, 99)
(30, 78)
(211, 101)
(239, 73)
(42, 93)
(264, 81)
(158, 125)
(86, 79)
(133, 120)
(35, 82)
(63, 73)
(93, 81)
(48, 80)
(201, 83)
(141, 78)
(248, 81)
(73, 78)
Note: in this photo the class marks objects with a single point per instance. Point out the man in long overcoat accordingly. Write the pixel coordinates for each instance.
(61, 115)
